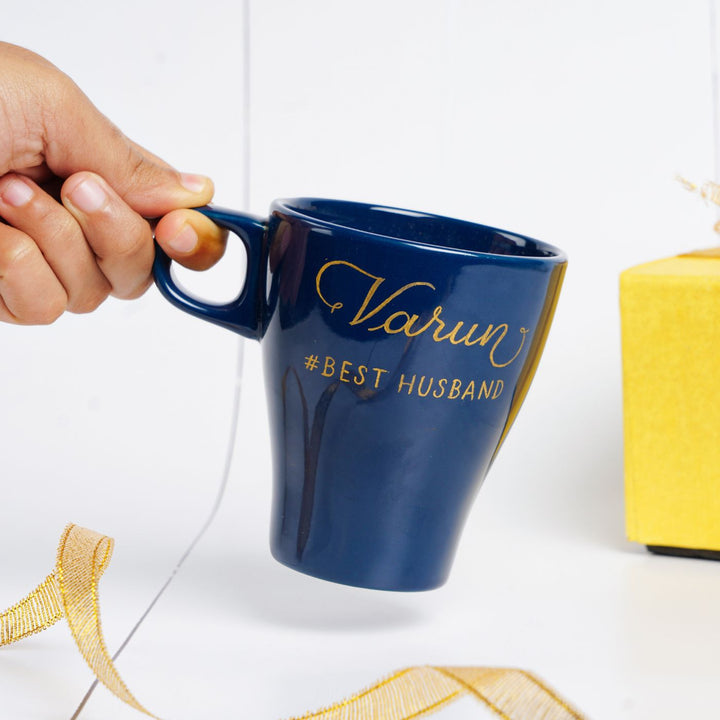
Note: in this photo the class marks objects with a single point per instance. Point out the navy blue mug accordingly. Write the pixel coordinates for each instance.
(398, 347)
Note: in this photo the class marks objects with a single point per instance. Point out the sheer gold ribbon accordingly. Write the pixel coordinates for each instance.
(71, 591)
(510, 693)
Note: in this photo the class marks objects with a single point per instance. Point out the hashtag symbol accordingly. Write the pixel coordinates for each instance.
(312, 362)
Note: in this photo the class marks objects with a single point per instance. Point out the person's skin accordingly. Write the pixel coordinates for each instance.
(74, 197)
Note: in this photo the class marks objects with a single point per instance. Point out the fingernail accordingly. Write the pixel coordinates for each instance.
(17, 193)
(194, 183)
(185, 241)
(88, 196)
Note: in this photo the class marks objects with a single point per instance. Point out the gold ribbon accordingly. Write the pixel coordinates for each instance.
(510, 693)
(71, 591)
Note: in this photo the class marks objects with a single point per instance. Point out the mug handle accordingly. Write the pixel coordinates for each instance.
(242, 315)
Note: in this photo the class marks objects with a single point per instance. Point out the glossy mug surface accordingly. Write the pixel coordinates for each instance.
(398, 347)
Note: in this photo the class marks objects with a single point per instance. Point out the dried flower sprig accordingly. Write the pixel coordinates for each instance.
(709, 191)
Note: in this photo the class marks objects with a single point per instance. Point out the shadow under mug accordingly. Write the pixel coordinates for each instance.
(398, 347)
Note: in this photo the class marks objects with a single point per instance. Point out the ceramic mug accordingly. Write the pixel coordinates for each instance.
(398, 347)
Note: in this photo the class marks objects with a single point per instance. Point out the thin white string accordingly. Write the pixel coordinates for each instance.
(246, 105)
(237, 394)
(714, 75)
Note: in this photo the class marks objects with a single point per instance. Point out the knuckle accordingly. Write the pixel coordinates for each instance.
(84, 305)
(140, 173)
(36, 299)
(51, 224)
(88, 300)
(130, 289)
(53, 310)
(57, 224)
(125, 237)
(31, 292)
(15, 252)
(134, 244)
(44, 313)
(135, 292)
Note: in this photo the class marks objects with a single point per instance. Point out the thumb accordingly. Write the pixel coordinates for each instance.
(79, 137)
(191, 239)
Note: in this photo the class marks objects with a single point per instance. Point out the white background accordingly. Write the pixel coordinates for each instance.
(563, 120)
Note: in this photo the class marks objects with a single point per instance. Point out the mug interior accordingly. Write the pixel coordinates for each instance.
(417, 227)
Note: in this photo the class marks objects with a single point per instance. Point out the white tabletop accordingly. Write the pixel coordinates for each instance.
(566, 122)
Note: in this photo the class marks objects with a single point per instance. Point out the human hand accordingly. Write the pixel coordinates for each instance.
(74, 197)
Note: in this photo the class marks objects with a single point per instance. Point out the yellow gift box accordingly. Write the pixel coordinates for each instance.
(670, 316)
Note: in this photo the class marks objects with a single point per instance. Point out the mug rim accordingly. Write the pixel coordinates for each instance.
(291, 206)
